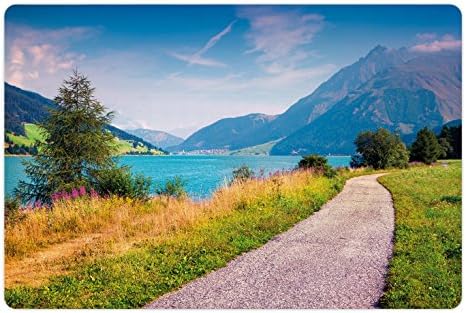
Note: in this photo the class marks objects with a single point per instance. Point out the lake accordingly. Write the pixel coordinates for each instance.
(202, 174)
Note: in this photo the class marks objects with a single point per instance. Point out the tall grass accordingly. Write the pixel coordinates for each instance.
(128, 240)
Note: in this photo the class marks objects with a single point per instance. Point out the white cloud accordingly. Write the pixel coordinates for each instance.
(198, 58)
(34, 53)
(278, 36)
(447, 42)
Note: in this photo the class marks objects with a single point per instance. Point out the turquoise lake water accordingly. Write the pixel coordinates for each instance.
(202, 174)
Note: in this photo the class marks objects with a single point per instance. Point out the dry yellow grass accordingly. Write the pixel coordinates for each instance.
(46, 242)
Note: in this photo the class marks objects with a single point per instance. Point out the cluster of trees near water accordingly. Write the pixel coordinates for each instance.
(76, 156)
(382, 149)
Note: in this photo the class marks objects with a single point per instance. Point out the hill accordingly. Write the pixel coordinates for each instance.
(24, 107)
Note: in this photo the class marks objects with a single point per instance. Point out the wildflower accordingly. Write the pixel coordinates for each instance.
(74, 193)
(56, 196)
(82, 191)
(65, 195)
(38, 204)
(94, 194)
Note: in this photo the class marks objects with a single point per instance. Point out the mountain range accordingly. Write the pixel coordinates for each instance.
(393, 88)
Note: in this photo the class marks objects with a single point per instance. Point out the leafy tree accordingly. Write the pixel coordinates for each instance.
(76, 146)
(242, 174)
(318, 163)
(381, 149)
(426, 147)
(452, 136)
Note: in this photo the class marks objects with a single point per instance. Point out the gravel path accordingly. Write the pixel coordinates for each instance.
(337, 258)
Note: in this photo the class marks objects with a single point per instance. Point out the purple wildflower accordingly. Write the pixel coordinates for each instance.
(56, 196)
(82, 191)
(94, 194)
(74, 193)
(65, 195)
(38, 204)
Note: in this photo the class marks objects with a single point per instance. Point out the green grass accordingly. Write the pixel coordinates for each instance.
(153, 268)
(425, 271)
(33, 134)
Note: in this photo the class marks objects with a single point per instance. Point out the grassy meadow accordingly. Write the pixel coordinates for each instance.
(121, 253)
(425, 271)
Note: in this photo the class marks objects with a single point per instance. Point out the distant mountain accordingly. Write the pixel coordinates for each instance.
(156, 137)
(22, 106)
(425, 91)
(306, 109)
(226, 133)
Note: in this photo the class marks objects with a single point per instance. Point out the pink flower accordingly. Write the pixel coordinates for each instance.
(82, 191)
(65, 195)
(74, 193)
(94, 194)
(38, 204)
(56, 196)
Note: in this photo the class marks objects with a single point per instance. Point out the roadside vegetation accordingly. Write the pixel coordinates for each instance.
(425, 271)
(119, 253)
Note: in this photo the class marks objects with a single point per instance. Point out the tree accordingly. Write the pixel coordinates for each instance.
(426, 147)
(381, 149)
(452, 136)
(76, 146)
(318, 163)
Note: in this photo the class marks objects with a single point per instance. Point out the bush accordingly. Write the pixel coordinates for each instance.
(119, 181)
(173, 188)
(318, 163)
(381, 149)
(242, 174)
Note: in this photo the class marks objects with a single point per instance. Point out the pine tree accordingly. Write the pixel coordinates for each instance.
(426, 147)
(76, 145)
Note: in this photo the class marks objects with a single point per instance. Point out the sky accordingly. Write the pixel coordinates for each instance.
(180, 68)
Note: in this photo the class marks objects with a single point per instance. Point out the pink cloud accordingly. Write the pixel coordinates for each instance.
(448, 42)
(32, 53)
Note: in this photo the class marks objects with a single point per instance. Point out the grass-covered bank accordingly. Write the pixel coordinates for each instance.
(425, 271)
(116, 253)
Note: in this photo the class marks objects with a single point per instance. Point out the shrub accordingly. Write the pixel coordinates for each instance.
(173, 188)
(426, 147)
(242, 174)
(381, 149)
(317, 163)
(119, 181)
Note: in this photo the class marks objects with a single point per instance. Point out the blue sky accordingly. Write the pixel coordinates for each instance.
(178, 68)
